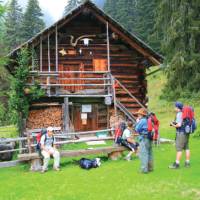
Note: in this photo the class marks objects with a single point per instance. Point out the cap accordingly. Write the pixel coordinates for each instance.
(50, 128)
(179, 105)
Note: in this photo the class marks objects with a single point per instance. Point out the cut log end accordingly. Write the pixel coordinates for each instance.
(115, 155)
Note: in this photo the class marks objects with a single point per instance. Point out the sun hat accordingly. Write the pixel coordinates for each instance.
(142, 111)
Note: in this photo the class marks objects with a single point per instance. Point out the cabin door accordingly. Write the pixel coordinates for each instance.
(71, 74)
(84, 121)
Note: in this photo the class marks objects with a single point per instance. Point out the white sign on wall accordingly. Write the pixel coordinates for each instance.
(86, 108)
(83, 116)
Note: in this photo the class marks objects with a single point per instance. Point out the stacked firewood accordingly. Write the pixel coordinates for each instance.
(44, 117)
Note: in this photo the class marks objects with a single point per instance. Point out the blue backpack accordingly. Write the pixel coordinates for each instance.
(87, 163)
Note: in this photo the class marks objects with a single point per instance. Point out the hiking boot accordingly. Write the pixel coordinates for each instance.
(127, 158)
(56, 168)
(43, 171)
(187, 164)
(174, 166)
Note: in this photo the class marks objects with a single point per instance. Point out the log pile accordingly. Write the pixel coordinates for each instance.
(44, 117)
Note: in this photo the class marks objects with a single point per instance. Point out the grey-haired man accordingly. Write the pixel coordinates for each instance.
(49, 149)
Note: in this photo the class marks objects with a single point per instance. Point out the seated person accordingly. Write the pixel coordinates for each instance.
(48, 149)
(128, 140)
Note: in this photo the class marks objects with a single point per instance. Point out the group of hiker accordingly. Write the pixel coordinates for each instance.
(146, 130)
(137, 138)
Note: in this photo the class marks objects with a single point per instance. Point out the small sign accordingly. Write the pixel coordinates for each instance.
(108, 100)
(86, 108)
(84, 121)
(83, 116)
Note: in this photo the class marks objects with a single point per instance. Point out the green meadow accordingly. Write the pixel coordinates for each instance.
(114, 180)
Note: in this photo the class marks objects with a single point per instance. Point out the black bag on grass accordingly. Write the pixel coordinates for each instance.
(88, 164)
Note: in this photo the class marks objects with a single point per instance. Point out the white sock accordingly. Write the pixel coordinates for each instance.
(177, 162)
(187, 161)
(129, 155)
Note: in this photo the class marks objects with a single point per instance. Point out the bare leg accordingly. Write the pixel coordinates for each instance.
(187, 155)
(178, 156)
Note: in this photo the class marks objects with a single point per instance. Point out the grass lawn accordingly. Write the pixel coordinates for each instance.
(8, 131)
(114, 180)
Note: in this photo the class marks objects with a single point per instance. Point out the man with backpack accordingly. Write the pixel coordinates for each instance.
(48, 149)
(182, 133)
(145, 141)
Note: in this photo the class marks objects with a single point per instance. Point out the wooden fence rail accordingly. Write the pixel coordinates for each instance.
(68, 136)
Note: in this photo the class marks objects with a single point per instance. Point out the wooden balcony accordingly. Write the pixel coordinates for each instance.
(73, 83)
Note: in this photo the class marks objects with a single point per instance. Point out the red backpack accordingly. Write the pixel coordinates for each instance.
(153, 126)
(38, 138)
(188, 113)
(189, 123)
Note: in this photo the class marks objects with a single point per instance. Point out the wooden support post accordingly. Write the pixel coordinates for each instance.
(49, 61)
(33, 64)
(48, 87)
(66, 121)
(108, 46)
(56, 38)
(114, 96)
(29, 143)
(41, 53)
(36, 165)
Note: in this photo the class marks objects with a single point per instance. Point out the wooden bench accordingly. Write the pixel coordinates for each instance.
(112, 151)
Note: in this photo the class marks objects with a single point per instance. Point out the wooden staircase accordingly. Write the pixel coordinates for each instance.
(125, 99)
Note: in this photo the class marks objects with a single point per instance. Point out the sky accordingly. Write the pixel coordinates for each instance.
(52, 9)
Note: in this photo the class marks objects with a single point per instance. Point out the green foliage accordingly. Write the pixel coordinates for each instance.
(12, 24)
(180, 23)
(32, 22)
(137, 17)
(2, 9)
(19, 101)
(8, 131)
(163, 108)
(2, 113)
(71, 5)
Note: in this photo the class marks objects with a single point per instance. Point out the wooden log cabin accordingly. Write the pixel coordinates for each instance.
(88, 65)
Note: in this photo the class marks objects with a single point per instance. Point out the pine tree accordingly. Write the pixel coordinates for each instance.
(144, 23)
(137, 16)
(12, 25)
(32, 22)
(2, 9)
(180, 23)
(71, 5)
(122, 11)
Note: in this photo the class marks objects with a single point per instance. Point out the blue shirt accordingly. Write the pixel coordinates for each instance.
(142, 126)
(179, 121)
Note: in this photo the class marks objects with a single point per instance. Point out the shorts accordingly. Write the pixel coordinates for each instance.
(131, 146)
(182, 141)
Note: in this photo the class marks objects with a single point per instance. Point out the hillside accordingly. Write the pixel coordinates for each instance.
(163, 108)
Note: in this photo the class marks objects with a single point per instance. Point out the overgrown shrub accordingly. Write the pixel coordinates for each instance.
(19, 100)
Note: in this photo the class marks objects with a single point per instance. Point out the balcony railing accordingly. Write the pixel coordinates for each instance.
(73, 83)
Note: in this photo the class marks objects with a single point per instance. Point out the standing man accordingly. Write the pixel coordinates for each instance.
(145, 141)
(182, 139)
(48, 149)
